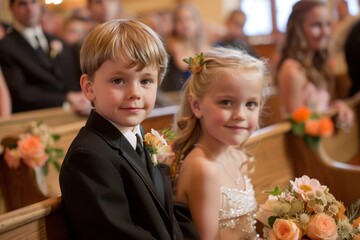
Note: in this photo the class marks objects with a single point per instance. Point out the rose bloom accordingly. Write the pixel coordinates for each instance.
(312, 127)
(284, 230)
(326, 127)
(356, 223)
(12, 158)
(301, 114)
(266, 210)
(322, 226)
(32, 151)
(357, 237)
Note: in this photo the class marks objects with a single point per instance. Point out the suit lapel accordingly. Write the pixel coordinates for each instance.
(118, 141)
(41, 57)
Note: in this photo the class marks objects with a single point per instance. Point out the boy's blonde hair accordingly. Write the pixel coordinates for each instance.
(122, 39)
(216, 61)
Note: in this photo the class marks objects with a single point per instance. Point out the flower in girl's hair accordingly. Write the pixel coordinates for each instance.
(158, 146)
(310, 126)
(307, 210)
(35, 148)
(195, 63)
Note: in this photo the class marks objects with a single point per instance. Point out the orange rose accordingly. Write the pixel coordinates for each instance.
(32, 151)
(357, 237)
(326, 127)
(356, 222)
(341, 213)
(322, 226)
(301, 114)
(284, 230)
(312, 127)
(12, 158)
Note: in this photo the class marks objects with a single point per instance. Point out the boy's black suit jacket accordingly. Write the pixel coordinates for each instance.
(34, 79)
(109, 194)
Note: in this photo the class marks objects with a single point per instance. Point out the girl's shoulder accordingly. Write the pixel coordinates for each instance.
(199, 165)
(291, 64)
(291, 71)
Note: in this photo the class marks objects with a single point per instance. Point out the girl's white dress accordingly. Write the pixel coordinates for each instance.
(237, 212)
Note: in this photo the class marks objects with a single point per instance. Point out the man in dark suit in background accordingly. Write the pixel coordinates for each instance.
(352, 56)
(39, 69)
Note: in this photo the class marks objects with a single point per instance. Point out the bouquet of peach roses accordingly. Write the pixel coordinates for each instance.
(307, 210)
(310, 126)
(35, 147)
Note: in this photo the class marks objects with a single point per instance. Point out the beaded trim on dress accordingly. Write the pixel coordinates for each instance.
(238, 208)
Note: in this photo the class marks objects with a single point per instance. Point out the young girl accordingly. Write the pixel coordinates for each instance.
(219, 111)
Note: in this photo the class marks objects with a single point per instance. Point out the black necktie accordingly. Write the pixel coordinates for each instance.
(140, 149)
(39, 48)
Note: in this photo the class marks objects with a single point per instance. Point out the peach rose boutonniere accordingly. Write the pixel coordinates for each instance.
(310, 126)
(158, 146)
(307, 210)
(56, 48)
(35, 148)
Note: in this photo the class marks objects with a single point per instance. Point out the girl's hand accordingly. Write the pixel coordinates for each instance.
(345, 118)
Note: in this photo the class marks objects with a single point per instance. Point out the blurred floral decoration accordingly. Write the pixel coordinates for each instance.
(35, 147)
(307, 210)
(311, 126)
(158, 146)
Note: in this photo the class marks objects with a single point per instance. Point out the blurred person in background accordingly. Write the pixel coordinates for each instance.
(39, 68)
(5, 101)
(341, 30)
(105, 10)
(235, 36)
(303, 75)
(188, 37)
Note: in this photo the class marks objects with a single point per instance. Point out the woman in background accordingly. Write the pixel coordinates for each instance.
(303, 75)
(188, 38)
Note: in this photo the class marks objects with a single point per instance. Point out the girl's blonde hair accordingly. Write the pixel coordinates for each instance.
(215, 62)
(123, 39)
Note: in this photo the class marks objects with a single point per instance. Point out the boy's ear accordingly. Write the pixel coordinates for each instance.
(195, 106)
(87, 87)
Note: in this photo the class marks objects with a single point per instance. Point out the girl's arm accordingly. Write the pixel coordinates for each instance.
(291, 81)
(203, 194)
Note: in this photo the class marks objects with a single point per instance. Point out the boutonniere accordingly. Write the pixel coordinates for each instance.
(158, 146)
(311, 126)
(56, 47)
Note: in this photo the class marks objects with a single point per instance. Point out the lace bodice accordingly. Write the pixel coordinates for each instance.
(237, 212)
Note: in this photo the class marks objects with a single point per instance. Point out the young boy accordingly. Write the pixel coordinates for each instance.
(107, 190)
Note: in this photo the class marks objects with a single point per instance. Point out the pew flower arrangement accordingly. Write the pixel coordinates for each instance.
(158, 146)
(307, 210)
(310, 126)
(35, 147)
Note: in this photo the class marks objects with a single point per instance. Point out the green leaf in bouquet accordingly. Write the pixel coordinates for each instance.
(298, 129)
(271, 221)
(312, 142)
(275, 192)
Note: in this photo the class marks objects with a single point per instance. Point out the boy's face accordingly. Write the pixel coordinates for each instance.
(123, 95)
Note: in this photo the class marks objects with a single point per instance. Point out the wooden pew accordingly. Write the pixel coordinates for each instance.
(39, 221)
(278, 160)
(330, 164)
(44, 220)
(16, 123)
(13, 192)
(273, 164)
